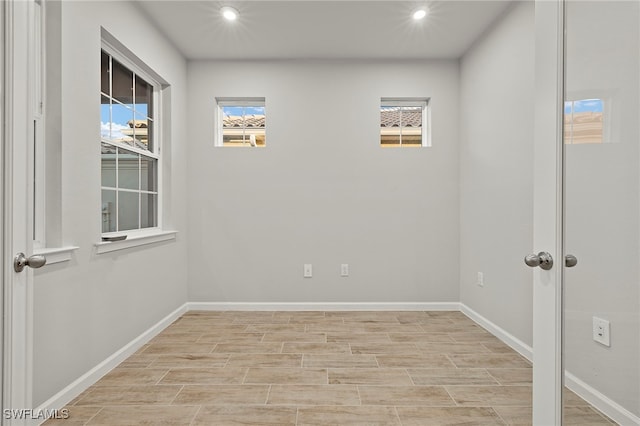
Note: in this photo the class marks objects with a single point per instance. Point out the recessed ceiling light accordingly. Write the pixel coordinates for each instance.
(229, 13)
(420, 14)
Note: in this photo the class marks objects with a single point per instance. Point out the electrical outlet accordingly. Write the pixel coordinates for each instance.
(480, 279)
(344, 270)
(308, 270)
(601, 331)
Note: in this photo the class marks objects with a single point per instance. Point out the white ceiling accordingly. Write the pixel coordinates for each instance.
(344, 29)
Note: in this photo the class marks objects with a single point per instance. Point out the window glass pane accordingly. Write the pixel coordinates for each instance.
(148, 210)
(587, 121)
(105, 118)
(104, 73)
(411, 126)
(122, 82)
(122, 120)
(148, 174)
(108, 165)
(389, 126)
(140, 133)
(108, 210)
(128, 170)
(568, 121)
(128, 204)
(144, 98)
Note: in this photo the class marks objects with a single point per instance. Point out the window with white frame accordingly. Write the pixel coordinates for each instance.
(129, 145)
(404, 122)
(241, 122)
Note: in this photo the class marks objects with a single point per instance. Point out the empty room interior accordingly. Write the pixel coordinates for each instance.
(318, 212)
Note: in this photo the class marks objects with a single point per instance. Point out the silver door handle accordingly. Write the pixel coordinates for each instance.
(35, 261)
(542, 259)
(570, 261)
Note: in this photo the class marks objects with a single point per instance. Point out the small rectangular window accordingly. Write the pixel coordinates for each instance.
(404, 122)
(584, 121)
(241, 122)
(129, 147)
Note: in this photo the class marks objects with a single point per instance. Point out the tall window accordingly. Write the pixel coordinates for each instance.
(584, 121)
(404, 122)
(130, 154)
(241, 122)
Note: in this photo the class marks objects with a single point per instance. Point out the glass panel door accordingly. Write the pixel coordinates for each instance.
(601, 339)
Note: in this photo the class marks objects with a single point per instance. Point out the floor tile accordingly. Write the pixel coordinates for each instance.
(358, 415)
(343, 337)
(178, 348)
(512, 376)
(256, 348)
(384, 348)
(313, 395)
(415, 361)
(451, 376)
(127, 415)
(420, 337)
(339, 361)
(76, 416)
(489, 361)
(245, 415)
(270, 375)
(276, 328)
(369, 376)
(222, 395)
(484, 396)
(190, 360)
(583, 416)
(265, 360)
(405, 395)
(204, 376)
(520, 416)
(316, 348)
(230, 338)
(452, 348)
(440, 416)
(132, 376)
(129, 395)
(296, 337)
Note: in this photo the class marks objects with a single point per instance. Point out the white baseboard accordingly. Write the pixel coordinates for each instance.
(74, 389)
(328, 306)
(610, 408)
(508, 338)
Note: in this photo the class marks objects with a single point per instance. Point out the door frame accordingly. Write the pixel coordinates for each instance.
(17, 209)
(548, 211)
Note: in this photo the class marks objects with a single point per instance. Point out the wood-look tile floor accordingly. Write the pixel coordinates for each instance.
(318, 368)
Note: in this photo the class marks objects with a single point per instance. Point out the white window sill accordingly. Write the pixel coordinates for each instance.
(135, 241)
(56, 254)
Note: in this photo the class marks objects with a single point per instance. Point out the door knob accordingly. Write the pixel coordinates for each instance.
(570, 261)
(542, 259)
(35, 261)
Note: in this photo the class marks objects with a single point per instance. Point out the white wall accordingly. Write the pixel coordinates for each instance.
(602, 202)
(88, 308)
(323, 191)
(496, 172)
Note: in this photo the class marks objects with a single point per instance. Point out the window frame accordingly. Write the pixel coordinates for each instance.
(423, 103)
(236, 102)
(125, 58)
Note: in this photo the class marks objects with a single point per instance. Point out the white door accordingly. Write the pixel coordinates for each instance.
(547, 292)
(17, 179)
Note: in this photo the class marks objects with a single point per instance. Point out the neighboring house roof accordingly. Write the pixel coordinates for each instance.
(388, 118)
(252, 120)
(391, 118)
